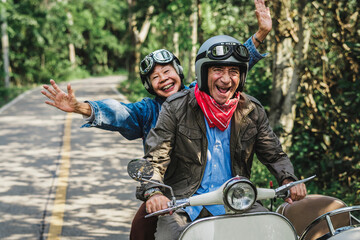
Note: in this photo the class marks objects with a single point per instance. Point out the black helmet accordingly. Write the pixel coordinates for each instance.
(160, 56)
(221, 50)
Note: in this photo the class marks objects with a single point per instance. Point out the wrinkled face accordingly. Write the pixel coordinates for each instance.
(165, 80)
(223, 82)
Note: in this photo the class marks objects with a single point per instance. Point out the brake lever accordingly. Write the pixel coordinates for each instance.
(168, 210)
(283, 191)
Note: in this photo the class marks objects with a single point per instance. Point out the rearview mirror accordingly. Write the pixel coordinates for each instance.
(140, 169)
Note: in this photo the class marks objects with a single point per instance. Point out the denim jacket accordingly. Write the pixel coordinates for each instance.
(134, 120)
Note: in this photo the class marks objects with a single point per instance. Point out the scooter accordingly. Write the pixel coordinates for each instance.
(237, 195)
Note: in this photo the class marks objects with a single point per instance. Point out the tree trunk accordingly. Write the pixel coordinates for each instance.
(137, 38)
(72, 54)
(176, 38)
(289, 48)
(5, 46)
(194, 40)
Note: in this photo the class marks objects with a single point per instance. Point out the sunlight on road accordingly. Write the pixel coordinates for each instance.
(100, 201)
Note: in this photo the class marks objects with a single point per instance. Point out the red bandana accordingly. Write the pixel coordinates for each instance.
(216, 114)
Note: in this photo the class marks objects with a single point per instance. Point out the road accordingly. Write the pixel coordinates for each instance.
(62, 181)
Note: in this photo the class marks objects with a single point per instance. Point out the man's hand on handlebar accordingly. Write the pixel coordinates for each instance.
(156, 202)
(297, 192)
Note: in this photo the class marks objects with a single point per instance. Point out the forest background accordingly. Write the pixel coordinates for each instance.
(309, 83)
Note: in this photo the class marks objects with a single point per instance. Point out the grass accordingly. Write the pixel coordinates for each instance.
(8, 94)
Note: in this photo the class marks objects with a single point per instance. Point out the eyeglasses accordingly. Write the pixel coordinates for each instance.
(161, 56)
(221, 51)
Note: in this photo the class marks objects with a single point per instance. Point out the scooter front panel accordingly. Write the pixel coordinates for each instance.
(270, 226)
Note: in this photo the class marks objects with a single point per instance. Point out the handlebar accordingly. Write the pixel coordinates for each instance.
(282, 191)
(169, 210)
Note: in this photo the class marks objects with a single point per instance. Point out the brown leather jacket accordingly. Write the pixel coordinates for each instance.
(177, 146)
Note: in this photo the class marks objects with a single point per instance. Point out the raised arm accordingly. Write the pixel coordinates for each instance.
(65, 101)
(264, 21)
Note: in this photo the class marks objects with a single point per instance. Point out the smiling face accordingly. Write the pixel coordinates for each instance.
(165, 80)
(223, 82)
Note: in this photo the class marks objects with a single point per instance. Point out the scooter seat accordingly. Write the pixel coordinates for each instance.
(302, 213)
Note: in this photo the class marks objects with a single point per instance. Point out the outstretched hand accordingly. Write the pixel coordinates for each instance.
(264, 20)
(60, 99)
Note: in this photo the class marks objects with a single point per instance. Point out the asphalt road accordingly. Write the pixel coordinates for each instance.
(58, 180)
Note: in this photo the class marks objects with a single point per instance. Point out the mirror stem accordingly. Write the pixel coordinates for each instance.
(173, 199)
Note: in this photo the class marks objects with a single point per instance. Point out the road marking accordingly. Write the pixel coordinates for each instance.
(56, 222)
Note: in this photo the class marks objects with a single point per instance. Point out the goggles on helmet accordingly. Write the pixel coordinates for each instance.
(224, 50)
(161, 56)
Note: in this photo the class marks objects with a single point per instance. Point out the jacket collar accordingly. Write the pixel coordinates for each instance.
(245, 106)
(199, 116)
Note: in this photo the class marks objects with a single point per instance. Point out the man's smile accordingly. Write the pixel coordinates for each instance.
(223, 90)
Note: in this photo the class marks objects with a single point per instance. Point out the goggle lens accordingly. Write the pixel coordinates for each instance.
(162, 56)
(158, 56)
(146, 65)
(242, 51)
(220, 51)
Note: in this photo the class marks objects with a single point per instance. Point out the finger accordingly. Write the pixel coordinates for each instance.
(164, 205)
(50, 103)
(160, 204)
(268, 11)
(55, 86)
(288, 200)
(293, 193)
(299, 193)
(259, 4)
(50, 90)
(70, 90)
(304, 192)
(148, 206)
(48, 95)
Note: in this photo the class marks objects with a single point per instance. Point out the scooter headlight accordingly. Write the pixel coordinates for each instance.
(239, 194)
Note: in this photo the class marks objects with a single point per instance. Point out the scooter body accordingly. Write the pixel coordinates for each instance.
(238, 195)
(267, 225)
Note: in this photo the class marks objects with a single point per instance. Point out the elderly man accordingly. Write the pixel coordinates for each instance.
(208, 134)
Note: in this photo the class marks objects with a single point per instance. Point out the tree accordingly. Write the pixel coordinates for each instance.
(290, 51)
(137, 36)
(326, 132)
(5, 45)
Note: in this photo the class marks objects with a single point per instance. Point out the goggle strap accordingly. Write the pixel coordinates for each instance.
(201, 55)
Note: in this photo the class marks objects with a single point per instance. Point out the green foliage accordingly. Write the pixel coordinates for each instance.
(258, 82)
(40, 35)
(326, 134)
(8, 94)
(134, 90)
